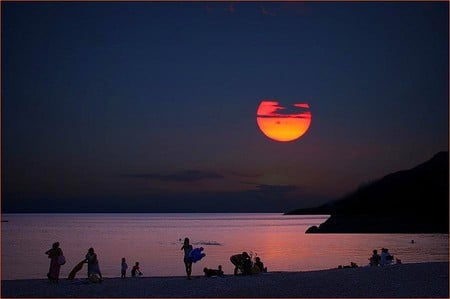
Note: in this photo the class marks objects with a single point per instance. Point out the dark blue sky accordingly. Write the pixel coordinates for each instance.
(152, 106)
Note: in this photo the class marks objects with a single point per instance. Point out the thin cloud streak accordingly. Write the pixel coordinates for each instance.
(182, 176)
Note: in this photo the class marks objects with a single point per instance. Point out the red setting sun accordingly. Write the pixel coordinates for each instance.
(281, 126)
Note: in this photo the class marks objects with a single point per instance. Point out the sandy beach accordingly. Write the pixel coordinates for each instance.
(406, 280)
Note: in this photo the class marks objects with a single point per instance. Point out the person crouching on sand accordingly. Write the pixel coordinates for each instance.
(241, 261)
(136, 270)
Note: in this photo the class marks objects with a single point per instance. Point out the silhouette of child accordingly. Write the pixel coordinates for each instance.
(124, 268)
(136, 270)
(260, 265)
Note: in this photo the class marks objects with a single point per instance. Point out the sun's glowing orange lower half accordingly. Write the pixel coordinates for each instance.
(281, 126)
(283, 129)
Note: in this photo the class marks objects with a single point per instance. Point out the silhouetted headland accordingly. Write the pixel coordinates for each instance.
(408, 201)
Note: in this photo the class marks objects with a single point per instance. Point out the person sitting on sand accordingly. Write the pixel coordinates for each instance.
(352, 265)
(241, 261)
(213, 272)
(375, 258)
(135, 270)
(386, 258)
(260, 265)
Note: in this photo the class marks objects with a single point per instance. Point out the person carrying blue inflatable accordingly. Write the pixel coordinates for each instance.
(191, 255)
(187, 261)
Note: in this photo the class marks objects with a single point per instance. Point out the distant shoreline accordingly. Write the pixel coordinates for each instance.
(406, 280)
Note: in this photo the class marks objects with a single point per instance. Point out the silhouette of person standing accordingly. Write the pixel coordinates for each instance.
(55, 267)
(187, 261)
(93, 265)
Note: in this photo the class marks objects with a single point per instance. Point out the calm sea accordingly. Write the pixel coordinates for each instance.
(155, 241)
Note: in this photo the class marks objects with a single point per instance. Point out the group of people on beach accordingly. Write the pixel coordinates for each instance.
(377, 260)
(242, 262)
(135, 271)
(57, 259)
(382, 260)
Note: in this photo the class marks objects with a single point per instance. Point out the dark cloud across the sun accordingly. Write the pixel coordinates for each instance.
(273, 108)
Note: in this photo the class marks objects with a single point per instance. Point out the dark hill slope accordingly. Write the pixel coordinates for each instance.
(409, 201)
